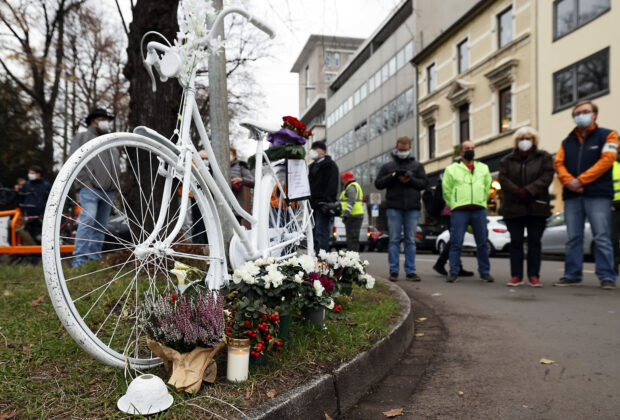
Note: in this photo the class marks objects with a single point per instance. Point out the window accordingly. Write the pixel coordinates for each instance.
(363, 92)
(400, 59)
(409, 100)
(402, 107)
(504, 27)
(371, 84)
(463, 50)
(409, 51)
(393, 113)
(378, 79)
(372, 129)
(379, 122)
(464, 123)
(505, 109)
(392, 66)
(356, 97)
(307, 85)
(350, 102)
(431, 141)
(328, 78)
(385, 73)
(585, 79)
(336, 59)
(571, 14)
(328, 59)
(386, 118)
(361, 134)
(431, 78)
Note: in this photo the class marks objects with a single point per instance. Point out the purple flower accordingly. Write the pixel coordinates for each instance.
(285, 136)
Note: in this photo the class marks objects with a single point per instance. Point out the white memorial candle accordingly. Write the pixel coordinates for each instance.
(238, 361)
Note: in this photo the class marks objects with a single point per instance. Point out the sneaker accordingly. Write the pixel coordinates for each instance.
(413, 277)
(608, 285)
(487, 277)
(451, 278)
(514, 282)
(465, 273)
(393, 276)
(534, 281)
(567, 282)
(440, 269)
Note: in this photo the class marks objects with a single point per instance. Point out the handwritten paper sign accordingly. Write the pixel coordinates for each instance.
(298, 186)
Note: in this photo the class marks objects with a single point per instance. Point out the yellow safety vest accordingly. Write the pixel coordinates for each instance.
(358, 207)
(616, 179)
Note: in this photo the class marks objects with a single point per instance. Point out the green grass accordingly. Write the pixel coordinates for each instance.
(45, 374)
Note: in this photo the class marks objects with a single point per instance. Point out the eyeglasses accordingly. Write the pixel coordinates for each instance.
(525, 138)
(582, 113)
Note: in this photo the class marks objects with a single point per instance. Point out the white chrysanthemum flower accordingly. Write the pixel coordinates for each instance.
(370, 281)
(299, 278)
(318, 288)
(330, 305)
(273, 277)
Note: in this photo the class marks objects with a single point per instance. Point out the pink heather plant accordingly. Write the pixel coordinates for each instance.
(185, 322)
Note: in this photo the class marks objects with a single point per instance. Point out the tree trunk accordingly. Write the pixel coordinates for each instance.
(157, 110)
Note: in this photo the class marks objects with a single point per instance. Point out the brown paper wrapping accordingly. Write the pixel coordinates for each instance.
(187, 370)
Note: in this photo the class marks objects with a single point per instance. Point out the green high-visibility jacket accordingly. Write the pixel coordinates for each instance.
(616, 181)
(461, 187)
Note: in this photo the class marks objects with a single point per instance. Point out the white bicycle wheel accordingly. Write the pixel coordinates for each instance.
(99, 302)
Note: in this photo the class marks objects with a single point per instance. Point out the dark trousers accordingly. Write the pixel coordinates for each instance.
(445, 253)
(615, 233)
(535, 228)
(322, 230)
(353, 225)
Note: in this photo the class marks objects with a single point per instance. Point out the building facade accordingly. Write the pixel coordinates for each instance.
(372, 101)
(476, 82)
(321, 58)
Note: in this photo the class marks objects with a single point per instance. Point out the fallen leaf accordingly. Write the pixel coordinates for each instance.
(7, 293)
(37, 301)
(525, 406)
(461, 393)
(352, 324)
(92, 389)
(41, 311)
(26, 350)
(7, 416)
(327, 417)
(272, 393)
(419, 335)
(248, 393)
(421, 319)
(547, 361)
(394, 412)
(92, 381)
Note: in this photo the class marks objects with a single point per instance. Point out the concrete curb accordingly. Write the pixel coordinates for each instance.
(337, 392)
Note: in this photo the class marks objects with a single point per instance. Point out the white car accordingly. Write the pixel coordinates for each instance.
(498, 237)
(555, 236)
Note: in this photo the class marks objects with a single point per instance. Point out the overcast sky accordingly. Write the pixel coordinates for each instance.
(294, 21)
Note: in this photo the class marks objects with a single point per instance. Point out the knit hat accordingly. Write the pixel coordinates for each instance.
(319, 145)
(347, 177)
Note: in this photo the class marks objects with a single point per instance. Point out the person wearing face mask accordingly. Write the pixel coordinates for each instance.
(96, 187)
(404, 179)
(584, 167)
(525, 176)
(466, 186)
(323, 179)
(32, 198)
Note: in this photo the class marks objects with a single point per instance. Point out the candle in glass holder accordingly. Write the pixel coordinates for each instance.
(238, 360)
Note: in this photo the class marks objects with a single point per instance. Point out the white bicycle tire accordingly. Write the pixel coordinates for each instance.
(52, 262)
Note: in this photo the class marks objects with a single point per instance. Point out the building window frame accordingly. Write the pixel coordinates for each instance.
(460, 55)
(431, 78)
(499, 27)
(573, 69)
(328, 61)
(432, 141)
(505, 99)
(577, 24)
(336, 59)
(464, 118)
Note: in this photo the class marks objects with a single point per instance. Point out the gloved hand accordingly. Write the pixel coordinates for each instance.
(409, 174)
(345, 217)
(523, 195)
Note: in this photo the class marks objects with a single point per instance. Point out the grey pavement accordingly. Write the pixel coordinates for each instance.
(480, 354)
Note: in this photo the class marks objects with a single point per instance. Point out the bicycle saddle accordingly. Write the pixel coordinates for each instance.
(257, 128)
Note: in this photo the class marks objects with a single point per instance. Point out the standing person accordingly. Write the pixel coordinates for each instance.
(466, 187)
(240, 176)
(32, 198)
(583, 164)
(96, 189)
(615, 213)
(403, 178)
(525, 176)
(323, 177)
(351, 200)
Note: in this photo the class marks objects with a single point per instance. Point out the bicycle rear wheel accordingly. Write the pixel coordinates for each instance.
(99, 302)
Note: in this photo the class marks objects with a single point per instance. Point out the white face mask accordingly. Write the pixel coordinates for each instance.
(402, 154)
(313, 154)
(105, 126)
(232, 157)
(32, 177)
(525, 145)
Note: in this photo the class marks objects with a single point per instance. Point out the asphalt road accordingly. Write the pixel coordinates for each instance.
(486, 342)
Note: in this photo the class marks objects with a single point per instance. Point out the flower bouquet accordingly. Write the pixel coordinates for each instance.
(186, 332)
(287, 142)
(347, 268)
(315, 296)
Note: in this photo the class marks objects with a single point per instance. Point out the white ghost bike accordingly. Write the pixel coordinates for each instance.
(163, 211)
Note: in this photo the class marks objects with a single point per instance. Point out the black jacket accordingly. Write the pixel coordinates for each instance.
(323, 177)
(33, 196)
(535, 174)
(402, 196)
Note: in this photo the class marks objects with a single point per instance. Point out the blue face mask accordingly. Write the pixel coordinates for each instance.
(583, 120)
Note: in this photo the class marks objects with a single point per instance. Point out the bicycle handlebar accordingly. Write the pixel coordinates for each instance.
(228, 10)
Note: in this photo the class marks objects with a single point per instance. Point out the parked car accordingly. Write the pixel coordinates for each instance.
(498, 239)
(338, 239)
(555, 237)
(425, 238)
(374, 233)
